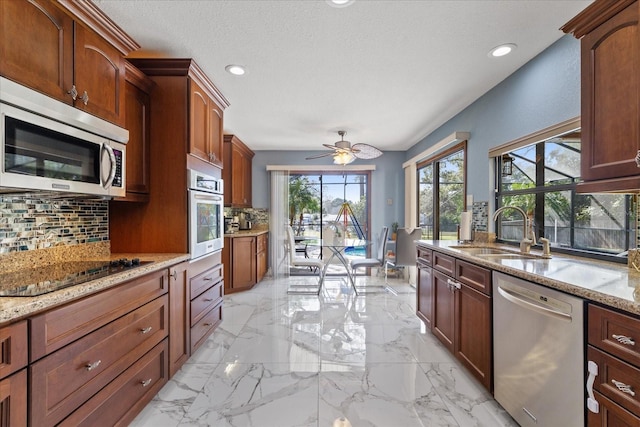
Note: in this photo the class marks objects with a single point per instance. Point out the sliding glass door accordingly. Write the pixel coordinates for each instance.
(320, 199)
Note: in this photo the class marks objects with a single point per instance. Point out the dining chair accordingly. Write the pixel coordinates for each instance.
(405, 253)
(378, 261)
(298, 261)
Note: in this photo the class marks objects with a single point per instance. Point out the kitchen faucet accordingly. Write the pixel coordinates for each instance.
(525, 243)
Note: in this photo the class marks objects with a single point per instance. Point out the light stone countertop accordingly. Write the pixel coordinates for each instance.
(247, 233)
(15, 308)
(608, 283)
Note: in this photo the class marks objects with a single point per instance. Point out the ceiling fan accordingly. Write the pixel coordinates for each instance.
(344, 153)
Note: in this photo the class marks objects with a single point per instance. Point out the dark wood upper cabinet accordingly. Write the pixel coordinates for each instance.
(610, 102)
(50, 33)
(138, 123)
(237, 173)
(80, 54)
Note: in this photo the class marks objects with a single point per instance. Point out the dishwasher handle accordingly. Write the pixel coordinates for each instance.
(514, 298)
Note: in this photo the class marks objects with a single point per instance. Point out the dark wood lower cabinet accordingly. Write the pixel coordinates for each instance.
(473, 345)
(119, 402)
(443, 321)
(179, 303)
(424, 303)
(454, 297)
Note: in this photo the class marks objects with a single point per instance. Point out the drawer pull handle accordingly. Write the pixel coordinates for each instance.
(92, 366)
(623, 339)
(625, 388)
(208, 299)
(145, 382)
(208, 279)
(146, 330)
(206, 324)
(174, 274)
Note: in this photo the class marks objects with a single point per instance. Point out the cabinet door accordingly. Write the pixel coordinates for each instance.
(179, 317)
(198, 121)
(13, 400)
(443, 317)
(15, 348)
(36, 46)
(215, 134)
(99, 71)
(473, 344)
(238, 165)
(424, 294)
(138, 118)
(611, 97)
(261, 259)
(244, 262)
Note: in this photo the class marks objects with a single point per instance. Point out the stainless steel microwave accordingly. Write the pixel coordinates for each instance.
(51, 146)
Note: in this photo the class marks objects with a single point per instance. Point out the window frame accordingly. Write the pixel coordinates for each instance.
(540, 190)
(434, 161)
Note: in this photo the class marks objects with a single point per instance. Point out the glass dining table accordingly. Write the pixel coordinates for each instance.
(337, 246)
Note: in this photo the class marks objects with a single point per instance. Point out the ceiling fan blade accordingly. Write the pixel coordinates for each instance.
(332, 147)
(366, 151)
(317, 156)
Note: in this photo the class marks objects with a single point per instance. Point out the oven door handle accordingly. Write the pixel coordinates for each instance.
(198, 195)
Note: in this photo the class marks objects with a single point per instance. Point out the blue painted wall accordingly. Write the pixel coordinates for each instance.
(543, 92)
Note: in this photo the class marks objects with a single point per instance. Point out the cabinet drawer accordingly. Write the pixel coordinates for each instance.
(611, 415)
(425, 255)
(53, 330)
(612, 371)
(474, 276)
(120, 401)
(64, 380)
(444, 263)
(13, 348)
(615, 333)
(13, 400)
(203, 281)
(205, 301)
(201, 330)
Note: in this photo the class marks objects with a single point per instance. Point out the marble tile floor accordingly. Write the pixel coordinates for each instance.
(305, 360)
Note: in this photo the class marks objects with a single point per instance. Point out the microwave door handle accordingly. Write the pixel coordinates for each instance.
(112, 170)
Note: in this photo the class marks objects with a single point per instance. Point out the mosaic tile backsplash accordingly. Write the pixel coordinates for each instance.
(38, 221)
(480, 221)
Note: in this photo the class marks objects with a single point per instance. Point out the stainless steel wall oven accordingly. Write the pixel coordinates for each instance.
(206, 216)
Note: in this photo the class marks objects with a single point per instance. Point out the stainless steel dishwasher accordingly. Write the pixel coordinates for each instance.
(538, 344)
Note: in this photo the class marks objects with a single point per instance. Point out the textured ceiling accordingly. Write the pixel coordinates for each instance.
(387, 72)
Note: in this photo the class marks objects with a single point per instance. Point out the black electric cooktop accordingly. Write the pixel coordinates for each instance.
(42, 280)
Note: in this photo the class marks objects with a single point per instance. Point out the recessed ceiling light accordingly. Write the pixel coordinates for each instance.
(340, 3)
(502, 50)
(236, 70)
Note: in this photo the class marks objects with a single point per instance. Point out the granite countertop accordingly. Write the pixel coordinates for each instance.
(608, 283)
(15, 308)
(248, 233)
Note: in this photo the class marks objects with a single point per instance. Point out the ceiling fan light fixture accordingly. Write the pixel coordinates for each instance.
(236, 70)
(343, 158)
(340, 3)
(502, 50)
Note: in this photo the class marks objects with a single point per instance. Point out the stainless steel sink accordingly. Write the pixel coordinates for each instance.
(482, 250)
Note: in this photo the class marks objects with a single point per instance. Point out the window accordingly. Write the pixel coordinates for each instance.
(441, 194)
(319, 199)
(543, 183)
